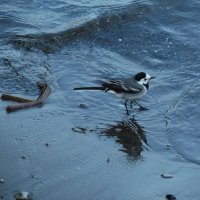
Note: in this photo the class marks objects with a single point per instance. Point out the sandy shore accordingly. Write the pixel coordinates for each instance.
(41, 154)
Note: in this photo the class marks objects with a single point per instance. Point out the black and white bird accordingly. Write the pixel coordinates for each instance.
(129, 89)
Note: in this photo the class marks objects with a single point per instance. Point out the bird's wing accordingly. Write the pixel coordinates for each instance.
(119, 86)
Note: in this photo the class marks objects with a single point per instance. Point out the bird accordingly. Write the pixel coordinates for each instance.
(129, 89)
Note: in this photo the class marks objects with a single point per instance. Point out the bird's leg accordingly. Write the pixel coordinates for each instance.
(141, 107)
(131, 105)
(126, 107)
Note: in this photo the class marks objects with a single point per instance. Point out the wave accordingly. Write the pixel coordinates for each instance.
(85, 26)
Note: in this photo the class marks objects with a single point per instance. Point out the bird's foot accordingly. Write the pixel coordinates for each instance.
(141, 108)
(127, 112)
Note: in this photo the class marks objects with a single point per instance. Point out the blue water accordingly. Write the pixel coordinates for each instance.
(70, 44)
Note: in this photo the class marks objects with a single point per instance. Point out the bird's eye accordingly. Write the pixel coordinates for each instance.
(145, 79)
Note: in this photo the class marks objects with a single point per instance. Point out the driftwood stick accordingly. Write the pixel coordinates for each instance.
(7, 97)
(21, 106)
(45, 91)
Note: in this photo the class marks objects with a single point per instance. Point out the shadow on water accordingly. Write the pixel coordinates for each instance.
(130, 135)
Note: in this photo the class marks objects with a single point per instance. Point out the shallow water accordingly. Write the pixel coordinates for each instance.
(70, 44)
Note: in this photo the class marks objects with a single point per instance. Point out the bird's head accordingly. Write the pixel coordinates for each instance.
(143, 78)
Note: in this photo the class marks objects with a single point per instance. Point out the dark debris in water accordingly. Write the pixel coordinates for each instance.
(22, 196)
(46, 144)
(23, 157)
(13, 70)
(2, 181)
(79, 129)
(47, 43)
(35, 177)
(82, 105)
(170, 197)
(166, 176)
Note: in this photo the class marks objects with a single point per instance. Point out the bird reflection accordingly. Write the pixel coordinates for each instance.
(130, 135)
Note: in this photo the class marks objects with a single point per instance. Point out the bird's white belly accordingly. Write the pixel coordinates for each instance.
(132, 96)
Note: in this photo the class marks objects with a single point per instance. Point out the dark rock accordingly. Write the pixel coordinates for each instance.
(170, 197)
(2, 181)
(46, 144)
(82, 105)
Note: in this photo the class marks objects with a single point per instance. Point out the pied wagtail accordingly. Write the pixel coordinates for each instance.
(128, 89)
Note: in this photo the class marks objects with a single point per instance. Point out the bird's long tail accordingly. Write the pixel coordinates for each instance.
(90, 88)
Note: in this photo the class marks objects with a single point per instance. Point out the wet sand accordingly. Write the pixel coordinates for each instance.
(41, 154)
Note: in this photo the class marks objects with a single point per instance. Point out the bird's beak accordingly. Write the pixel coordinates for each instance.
(153, 77)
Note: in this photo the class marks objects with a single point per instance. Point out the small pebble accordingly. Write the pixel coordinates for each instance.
(2, 181)
(108, 160)
(166, 176)
(46, 144)
(170, 197)
(34, 177)
(19, 139)
(79, 129)
(168, 145)
(119, 39)
(22, 196)
(23, 157)
(82, 105)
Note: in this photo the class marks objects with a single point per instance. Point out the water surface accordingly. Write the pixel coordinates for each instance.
(112, 155)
